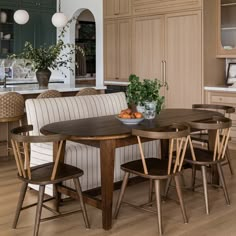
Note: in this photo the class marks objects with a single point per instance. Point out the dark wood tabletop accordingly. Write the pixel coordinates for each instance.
(108, 133)
(109, 127)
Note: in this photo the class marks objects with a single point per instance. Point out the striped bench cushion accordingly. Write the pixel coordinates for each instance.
(44, 111)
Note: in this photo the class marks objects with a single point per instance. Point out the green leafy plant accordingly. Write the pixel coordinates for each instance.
(139, 92)
(54, 56)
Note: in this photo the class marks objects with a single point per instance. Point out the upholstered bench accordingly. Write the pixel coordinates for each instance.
(44, 111)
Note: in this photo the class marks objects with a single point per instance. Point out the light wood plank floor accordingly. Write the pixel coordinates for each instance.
(221, 221)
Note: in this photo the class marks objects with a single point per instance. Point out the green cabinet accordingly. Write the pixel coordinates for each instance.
(39, 30)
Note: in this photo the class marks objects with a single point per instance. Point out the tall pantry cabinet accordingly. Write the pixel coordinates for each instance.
(174, 41)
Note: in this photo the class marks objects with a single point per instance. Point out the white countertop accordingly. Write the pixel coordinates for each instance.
(24, 81)
(34, 88)
(221, 88)
(116, 83)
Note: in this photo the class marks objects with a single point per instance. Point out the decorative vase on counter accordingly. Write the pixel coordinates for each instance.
(43, 76)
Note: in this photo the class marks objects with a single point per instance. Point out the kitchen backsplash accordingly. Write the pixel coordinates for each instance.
(15, 69)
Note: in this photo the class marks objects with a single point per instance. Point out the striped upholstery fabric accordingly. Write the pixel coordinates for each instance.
(44, 111)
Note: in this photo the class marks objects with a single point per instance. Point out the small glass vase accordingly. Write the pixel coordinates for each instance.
(150, 110)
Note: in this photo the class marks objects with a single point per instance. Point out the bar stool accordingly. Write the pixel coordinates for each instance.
(50, 94)
(87, 91)
(11, 110)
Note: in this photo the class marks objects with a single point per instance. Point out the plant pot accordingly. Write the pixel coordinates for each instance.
(43, 76)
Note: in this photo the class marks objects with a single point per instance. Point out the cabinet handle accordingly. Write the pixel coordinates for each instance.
(162, 78)
(117, 7)
(164, 72)
(116, 78)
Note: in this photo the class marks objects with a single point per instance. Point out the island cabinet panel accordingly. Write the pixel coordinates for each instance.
(116, 8)
(224, 98)
(117, 49)
(163, 6)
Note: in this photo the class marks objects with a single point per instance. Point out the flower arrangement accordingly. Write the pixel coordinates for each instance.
(139, 92)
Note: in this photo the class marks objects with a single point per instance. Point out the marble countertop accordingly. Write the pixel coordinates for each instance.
(24, 81)
(34, 88)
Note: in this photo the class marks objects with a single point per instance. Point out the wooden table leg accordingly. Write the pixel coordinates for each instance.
(107, 156)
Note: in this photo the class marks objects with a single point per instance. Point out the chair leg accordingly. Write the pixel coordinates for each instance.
(204, 178)
(121, 194)
(39, 209)
(158, 205)
(193, 177)
(57, 197)
(179, 192)
(229, 161)
(79, 192)
(20, 203)
(150, 191)
(222, 179)
(167, 187)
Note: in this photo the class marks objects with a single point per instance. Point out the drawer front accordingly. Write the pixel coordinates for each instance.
(163, 6)
(219, 99)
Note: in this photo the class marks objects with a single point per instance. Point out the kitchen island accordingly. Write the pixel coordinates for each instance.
(29, 90)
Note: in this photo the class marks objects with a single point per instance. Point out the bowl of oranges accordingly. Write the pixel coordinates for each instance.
(128, 117)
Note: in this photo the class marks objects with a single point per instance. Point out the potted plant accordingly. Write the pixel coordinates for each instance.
(140, 93)
(44, 58)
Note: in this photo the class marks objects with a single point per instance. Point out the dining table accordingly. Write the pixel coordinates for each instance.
(109, 133)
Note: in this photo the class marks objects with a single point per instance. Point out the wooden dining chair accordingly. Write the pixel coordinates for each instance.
(50, 173)
(206, 158)
(87, 91)
(159, 169)
(202, 136)
(50, 94)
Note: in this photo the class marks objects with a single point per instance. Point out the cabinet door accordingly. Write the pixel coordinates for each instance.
(30, 31)
(116, 8)
(148, 46)
(117, 45)
(163, 6)
(183, 54)
(124, 50)
(226, 28)
(47, 29)
(110, 38)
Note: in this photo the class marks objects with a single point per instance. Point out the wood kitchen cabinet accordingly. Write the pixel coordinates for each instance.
(176, 44)
(169, 48)
(117, 50)
(224, 98)
(226, 35)
(116, 8)
(141, 7)
(148, 46)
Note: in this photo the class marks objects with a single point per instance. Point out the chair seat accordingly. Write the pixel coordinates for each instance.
(41, 174)
(203, 157)
(157, 168)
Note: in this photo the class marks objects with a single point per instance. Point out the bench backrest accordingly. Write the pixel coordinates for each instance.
(44, 111)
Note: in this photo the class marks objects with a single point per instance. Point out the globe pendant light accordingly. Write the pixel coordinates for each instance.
(59, 19)
(21, 17)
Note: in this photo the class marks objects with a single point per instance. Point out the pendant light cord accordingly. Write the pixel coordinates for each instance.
(59, 6)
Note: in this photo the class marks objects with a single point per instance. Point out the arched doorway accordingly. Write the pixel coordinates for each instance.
(85, 37)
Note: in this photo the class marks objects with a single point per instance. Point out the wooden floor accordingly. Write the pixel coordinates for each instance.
(221, 221)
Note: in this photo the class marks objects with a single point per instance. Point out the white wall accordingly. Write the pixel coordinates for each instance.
(74, 8)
